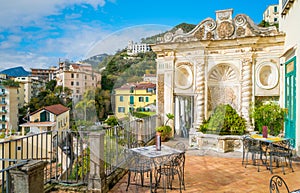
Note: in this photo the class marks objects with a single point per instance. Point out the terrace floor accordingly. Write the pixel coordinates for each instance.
(213, 172)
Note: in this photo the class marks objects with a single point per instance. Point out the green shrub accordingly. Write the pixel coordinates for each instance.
(224, 121)
(268, 114)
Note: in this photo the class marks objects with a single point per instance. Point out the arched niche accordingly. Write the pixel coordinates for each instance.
(223, 86)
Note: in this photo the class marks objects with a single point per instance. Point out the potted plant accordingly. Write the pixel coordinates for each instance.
(165, 130)
(268, 114)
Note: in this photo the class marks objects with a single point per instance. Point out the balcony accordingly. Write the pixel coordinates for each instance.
(3, 111)
(286, 5)
(3, 103)
(3, 120)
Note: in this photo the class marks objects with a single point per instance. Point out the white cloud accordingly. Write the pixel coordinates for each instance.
(119, 40)
(23, 12)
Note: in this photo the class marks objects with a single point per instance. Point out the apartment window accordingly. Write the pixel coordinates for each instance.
(131, 89)
(3, 100)
(121, 98)
(131, 100)
(77, 75)
(3, 126)
(77, 91)
(3, 108)
(121, 109)
(72, 83)
(275, 9)
(141, 99)
(3, 117)
(275, 19)
(147, 99)
(85, 77)
(77, 83)
(3, 90)
(72, 75)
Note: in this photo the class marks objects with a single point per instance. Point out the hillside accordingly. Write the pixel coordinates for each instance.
(121, 68)
(15, 72)
(184, 26)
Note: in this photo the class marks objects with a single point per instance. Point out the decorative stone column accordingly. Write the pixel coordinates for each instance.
(200, 93)
(246, 91)
(28, 178)
(96, 181)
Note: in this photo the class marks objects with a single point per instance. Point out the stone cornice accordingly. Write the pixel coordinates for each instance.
(223, 28)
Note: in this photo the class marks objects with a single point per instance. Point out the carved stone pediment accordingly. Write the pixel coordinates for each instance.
(224, 27)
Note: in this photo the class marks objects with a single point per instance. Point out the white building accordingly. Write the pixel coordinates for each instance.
(135, 48)
(288, 23)
(271, 14)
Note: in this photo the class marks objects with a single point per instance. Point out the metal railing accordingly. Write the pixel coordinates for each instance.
(67, 153)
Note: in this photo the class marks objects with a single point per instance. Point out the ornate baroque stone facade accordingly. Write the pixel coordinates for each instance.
(227, 60)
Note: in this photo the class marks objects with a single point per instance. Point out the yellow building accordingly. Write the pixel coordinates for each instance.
(134, 97)
(8, 108)
(54, 117)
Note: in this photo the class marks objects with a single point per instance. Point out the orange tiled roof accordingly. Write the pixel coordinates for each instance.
(55, 109)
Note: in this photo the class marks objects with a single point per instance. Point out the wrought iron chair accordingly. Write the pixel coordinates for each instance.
(277, 184)
(281, 153)
(182, 147)
(136, 164)
(167, 169)
(253, 148)
(172, 167)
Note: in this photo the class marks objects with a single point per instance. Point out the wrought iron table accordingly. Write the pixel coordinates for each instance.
(271, 141)
(156, 156)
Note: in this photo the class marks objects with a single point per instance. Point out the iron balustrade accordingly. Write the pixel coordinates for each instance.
(67, 153)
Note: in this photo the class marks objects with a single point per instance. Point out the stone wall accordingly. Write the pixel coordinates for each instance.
(219, 143)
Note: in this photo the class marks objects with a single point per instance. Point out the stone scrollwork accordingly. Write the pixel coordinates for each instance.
(240, 20)
(240, 31)
(168, 37)
(225, 30)
(206, 29)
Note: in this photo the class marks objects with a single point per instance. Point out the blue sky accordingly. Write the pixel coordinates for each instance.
(36, 34)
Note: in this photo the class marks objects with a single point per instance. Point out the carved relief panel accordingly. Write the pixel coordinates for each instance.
(184, 77)
(267, 79)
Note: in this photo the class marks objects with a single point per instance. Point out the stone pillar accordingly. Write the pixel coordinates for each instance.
(200, 93)
(97, 180)
(28, 178)
(246, 90)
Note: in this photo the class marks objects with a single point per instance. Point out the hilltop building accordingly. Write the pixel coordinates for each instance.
(271, 14)
(44, 74)
(28, 87)
(134, 97)
(8, 108)
(135, 48)
(227, 60)
(78, 78)
(289, 11)
(150, 78)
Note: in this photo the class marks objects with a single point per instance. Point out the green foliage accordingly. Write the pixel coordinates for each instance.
(143, 114)
(121, 69)
(264, 23)
(81, 165)
(2, 135)
(111, 121)
(224, 121)
(268, 114)
(165, 130)
(51, 85)
(10, 82)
